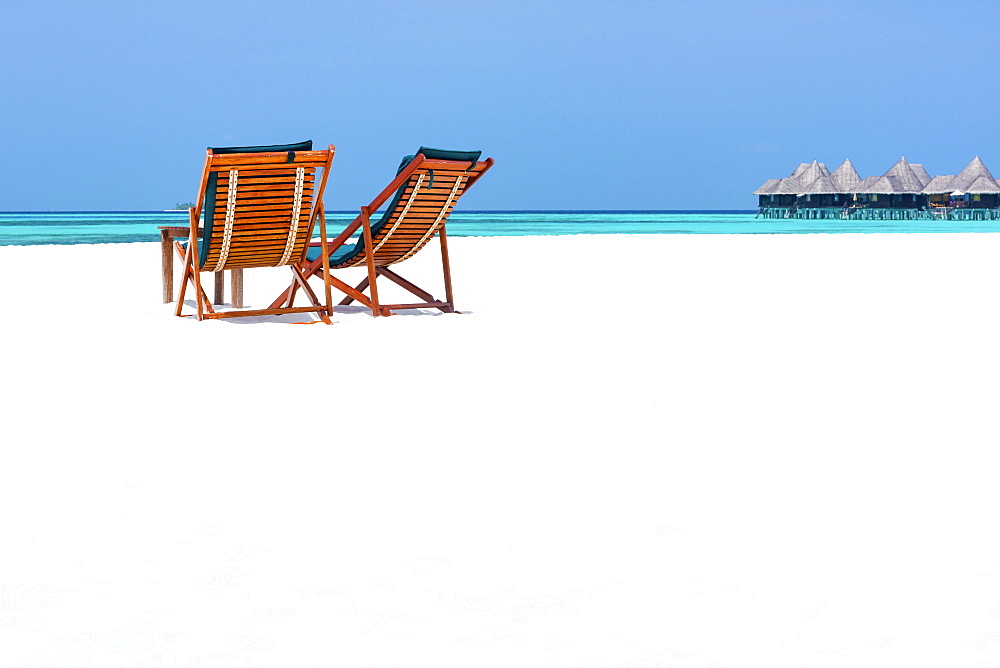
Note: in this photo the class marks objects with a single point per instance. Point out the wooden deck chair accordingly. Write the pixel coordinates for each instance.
(260, 205)
(423, 194)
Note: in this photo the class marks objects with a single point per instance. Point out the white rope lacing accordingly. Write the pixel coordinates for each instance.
(402, 214)
(227, 232)
(293, 230)
(437, 221)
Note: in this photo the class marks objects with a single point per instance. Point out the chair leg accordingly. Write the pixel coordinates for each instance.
(444, 307)
(180, 292)
(300, 280)
(366, 234)
(189, 274)
(325, 261)
(446, 268)
(292, 289)
(199, 295)
(405, 284)
(355, 294)
(185, 274)
(360, 288)
(372, 290)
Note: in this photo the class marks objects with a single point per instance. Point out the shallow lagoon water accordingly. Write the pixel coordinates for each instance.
(90, 227)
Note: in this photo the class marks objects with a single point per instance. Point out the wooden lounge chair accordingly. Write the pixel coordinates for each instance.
(421, 197)
(260, 204)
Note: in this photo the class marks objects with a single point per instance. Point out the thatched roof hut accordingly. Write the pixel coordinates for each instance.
(846, 177)
(768, 187)
(790, 185)
(938, 185)
(899, 179)
(972, 172)
(975, 179)
(921, 173)
(823, 185)
(808, 172)
(983, 185)
(799, 181)
(874, 184)
(905, 190)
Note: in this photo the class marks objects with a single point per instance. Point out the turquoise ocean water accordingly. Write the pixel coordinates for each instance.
(90, 227)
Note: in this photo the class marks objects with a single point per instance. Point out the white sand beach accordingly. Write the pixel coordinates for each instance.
(652, 451)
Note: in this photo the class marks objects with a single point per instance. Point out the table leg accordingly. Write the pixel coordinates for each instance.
(220, 287)
(237, 288)
(167, 266)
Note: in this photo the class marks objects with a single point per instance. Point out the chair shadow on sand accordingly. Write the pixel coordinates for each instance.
(296, 319)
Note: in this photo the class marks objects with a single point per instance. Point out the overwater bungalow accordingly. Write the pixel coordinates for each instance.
(899, 188)
(906, 190)
(972, 188)
(810, 188)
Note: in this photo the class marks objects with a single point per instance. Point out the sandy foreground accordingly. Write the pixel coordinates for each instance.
(647, 451)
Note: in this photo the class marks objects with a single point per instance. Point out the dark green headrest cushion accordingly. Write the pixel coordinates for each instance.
(440, 154)
(274, 148)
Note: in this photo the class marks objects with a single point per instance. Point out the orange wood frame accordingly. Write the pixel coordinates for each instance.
(320, 266)
(191, 274)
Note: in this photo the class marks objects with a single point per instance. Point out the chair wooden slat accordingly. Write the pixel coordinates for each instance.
(269, 176)
(265, 215)
(252, 233)
(260, 193)
(249, 188)
(263, 167)
(262, 175)
(317, 158)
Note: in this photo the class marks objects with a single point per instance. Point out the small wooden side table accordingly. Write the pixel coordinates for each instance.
(170, 232)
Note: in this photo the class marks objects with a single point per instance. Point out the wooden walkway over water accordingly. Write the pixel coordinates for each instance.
(864, 213)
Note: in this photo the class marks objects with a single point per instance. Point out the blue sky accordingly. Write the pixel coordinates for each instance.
(590, 104)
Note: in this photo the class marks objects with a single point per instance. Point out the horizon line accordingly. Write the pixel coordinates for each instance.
(354, 211)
